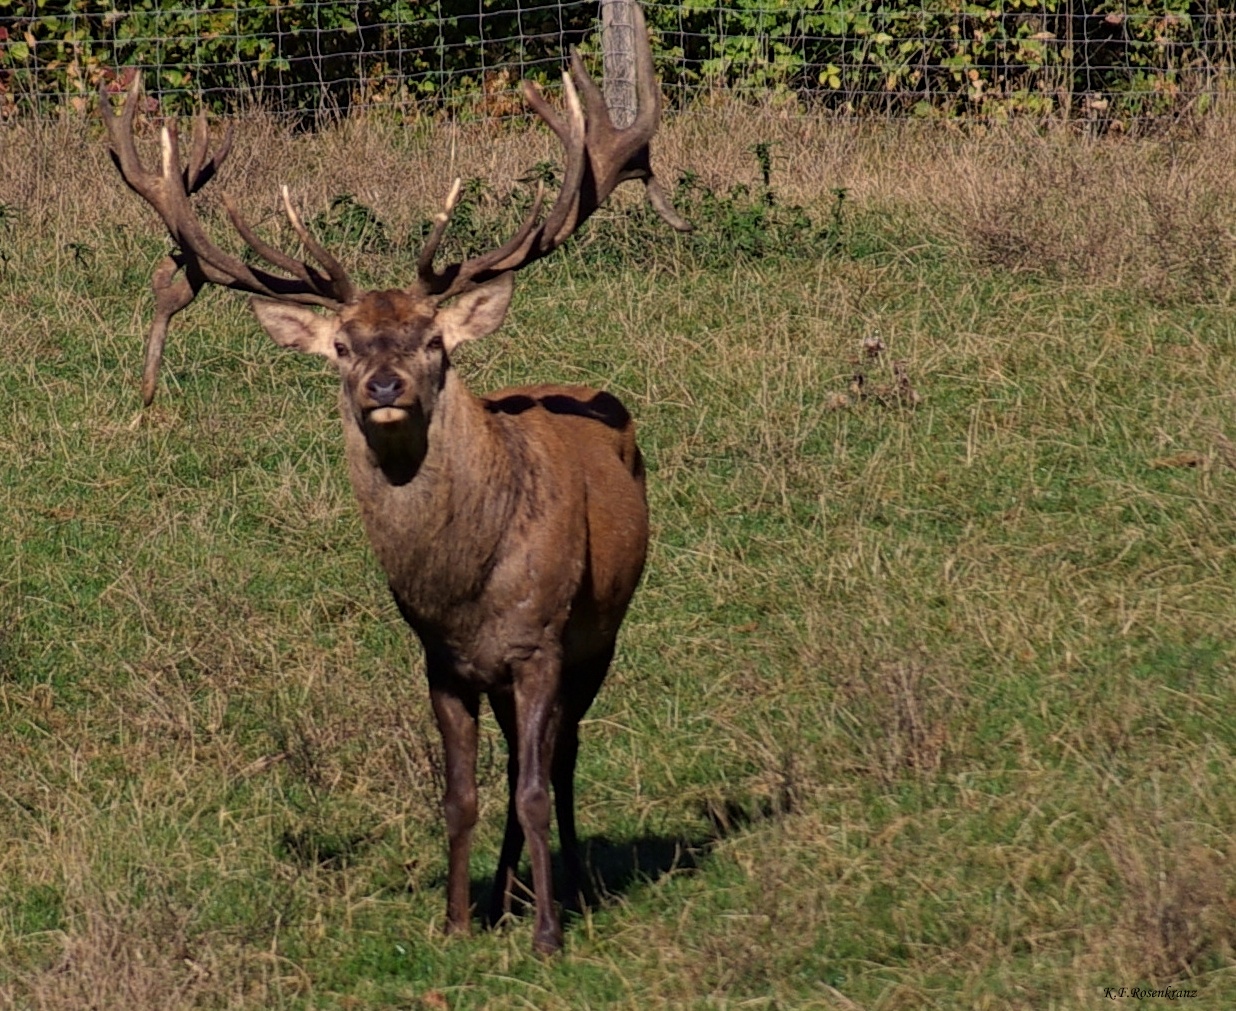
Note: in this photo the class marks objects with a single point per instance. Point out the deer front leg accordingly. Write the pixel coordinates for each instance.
(503, 704)
(457, 722)
(536, 684)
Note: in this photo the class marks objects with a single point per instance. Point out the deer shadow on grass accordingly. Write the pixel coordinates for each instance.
(615, 867)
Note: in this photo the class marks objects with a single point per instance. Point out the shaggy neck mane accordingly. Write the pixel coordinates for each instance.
(436, 517)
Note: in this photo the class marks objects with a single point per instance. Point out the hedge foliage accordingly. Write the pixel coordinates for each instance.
(994, 57)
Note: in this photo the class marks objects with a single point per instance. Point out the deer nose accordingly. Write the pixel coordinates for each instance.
(384, 388)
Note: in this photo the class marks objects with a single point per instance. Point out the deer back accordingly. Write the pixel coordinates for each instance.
(595, 436)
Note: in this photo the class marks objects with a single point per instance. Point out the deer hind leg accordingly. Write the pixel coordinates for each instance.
(536, 683)
(503, 704)
(580, 684)
(456, 716)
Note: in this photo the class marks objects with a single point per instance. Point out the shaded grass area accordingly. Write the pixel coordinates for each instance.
(924, 702)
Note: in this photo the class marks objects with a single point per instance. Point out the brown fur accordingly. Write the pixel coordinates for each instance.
(512, 530)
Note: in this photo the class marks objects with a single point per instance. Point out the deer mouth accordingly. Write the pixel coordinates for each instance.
(387, 415)
(393, 419)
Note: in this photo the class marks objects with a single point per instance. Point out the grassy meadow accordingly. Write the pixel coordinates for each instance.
(926, 700)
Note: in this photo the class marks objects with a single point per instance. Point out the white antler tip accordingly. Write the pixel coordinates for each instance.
(452, 198)
(572, 96)
(169, 152)
(293, 217)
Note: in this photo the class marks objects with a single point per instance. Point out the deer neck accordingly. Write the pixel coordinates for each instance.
(434, 510)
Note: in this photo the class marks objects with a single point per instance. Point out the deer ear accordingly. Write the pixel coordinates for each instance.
(296, 326)
(476, 313)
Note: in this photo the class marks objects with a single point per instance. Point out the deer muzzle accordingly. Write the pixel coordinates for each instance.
(383, 392)
(384, 388)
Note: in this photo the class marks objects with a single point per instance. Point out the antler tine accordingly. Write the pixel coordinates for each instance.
(531, 240)
(168, 194)
(424, 262)
(564, 215)
(255, 242)
(545, 112)
(173, 291)
(594, 99)
(647, 91)
(171, 200)
(202, 168)
(123, 150)
(335, 274)
(661, 203)
(598, 157)
(630, 153)
(197, 155)
(200, 260)
(516, 247)
(633, 156)
(451, 281)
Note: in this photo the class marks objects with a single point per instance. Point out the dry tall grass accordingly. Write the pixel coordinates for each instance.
(1108, 209)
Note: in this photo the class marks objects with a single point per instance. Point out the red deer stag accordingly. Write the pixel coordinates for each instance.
(512, 528)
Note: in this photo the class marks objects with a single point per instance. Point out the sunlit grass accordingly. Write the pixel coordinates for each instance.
(922, 703)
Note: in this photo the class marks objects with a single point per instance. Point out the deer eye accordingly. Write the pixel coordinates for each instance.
(435, 343)
(341, 349)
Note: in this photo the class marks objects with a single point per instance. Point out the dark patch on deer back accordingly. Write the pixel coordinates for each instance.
(637, 465)
(517, 403)
(571, 402)
(596, 405)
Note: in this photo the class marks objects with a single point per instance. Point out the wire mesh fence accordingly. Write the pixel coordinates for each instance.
(993, 58)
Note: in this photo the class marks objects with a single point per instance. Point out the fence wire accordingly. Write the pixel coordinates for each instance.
(1091, 58)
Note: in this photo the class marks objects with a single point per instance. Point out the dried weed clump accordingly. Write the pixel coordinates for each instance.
(899, 716)
(1178, 918)
(111, 961)
(1147, 213)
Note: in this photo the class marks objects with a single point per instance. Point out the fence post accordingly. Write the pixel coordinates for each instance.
(618, 67)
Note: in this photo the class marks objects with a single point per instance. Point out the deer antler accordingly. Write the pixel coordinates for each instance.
(599, 156)
(178, 277)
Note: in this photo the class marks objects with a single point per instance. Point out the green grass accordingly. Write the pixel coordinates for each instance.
(919, 705)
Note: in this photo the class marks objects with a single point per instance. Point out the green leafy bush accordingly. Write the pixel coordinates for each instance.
(992, 57)
(292, 57)
(995, 57)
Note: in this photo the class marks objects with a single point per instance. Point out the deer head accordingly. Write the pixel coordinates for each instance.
(392, 352)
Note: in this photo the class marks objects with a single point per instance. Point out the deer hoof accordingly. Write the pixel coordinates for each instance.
(547, 942)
